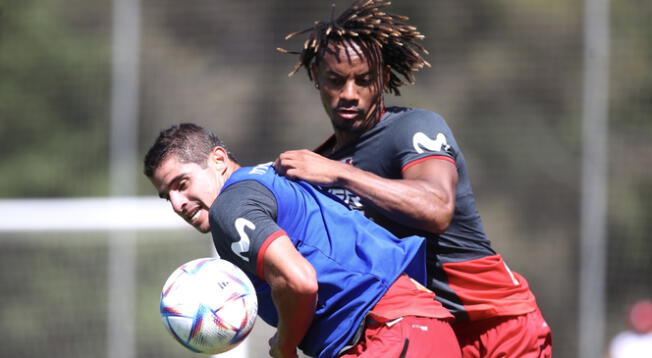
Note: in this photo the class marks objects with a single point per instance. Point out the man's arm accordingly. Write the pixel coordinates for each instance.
(260, 246)
(294, 292)
(424, 198)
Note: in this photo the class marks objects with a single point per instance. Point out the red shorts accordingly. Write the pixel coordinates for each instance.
(411, 337)
(407, 322)
(520, 336)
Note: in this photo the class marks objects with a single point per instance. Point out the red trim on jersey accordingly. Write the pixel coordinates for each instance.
(259, 259)
(382, 113)
(487, 288)
(441, 157)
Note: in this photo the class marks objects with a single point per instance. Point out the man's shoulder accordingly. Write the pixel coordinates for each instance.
(240, 195)
(262, 173)
(397, 115)
(247, 182)
(405, 120)
(257, 171)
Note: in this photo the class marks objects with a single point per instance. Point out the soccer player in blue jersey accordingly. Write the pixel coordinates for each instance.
(403, 168)
(332, 282)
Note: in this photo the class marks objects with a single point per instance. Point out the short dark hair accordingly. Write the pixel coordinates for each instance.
(188, 142)
(384, 39)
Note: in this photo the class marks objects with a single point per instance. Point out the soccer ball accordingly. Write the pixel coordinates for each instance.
(209, 305)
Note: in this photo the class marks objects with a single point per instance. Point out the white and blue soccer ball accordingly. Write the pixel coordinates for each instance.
(209, 305)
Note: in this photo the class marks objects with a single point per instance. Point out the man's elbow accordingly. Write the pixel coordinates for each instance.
(439, 222)
(305, 283)
(437, 227)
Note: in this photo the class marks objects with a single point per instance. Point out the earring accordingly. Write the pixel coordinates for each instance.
(316, 85)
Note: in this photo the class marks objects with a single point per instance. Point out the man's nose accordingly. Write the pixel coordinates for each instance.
(178, 202)
(349, 91)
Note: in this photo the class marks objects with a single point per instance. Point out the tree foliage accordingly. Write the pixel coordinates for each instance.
(53, 97)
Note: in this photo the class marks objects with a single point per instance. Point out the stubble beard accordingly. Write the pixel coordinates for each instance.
(357, 126)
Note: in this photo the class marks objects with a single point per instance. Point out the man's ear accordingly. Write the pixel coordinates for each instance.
(218, 157)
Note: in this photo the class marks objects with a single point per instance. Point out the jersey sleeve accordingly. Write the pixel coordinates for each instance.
(421, 135)
(243, 224)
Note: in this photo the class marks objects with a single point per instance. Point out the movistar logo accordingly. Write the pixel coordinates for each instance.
(422, 143)
(241, 247)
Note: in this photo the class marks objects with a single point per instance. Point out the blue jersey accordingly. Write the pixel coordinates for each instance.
(356, 261)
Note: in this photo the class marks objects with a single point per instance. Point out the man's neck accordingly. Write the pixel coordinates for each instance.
(344, 138)
(231, 168)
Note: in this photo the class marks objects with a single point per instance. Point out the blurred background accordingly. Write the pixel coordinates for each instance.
(551, 102)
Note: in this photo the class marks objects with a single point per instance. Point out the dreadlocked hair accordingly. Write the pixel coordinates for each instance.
(384, 40)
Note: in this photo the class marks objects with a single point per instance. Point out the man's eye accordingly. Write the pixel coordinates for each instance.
(335, 80)
(183, 184)
(365, 81)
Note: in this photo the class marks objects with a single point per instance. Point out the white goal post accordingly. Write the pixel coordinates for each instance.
(88, 214)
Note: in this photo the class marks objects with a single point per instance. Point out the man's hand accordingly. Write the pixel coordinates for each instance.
(309, 166)
(276, 352)
(424, 198)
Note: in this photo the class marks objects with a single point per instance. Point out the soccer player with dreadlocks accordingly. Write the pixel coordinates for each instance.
(403, 168)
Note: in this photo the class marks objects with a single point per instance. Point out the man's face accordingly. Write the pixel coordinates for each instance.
(190, 189)
(348, 88)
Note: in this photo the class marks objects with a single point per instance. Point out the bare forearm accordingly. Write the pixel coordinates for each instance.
(295, 312)
(412, 202)
(294, 286)
(424, 198)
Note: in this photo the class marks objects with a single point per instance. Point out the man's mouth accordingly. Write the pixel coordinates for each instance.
(347, 113)
(193, 216)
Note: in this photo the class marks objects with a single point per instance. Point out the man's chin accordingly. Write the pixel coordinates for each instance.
(203, 230)
(352, 126)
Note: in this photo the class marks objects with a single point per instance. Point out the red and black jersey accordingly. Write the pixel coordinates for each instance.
(468, 276)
